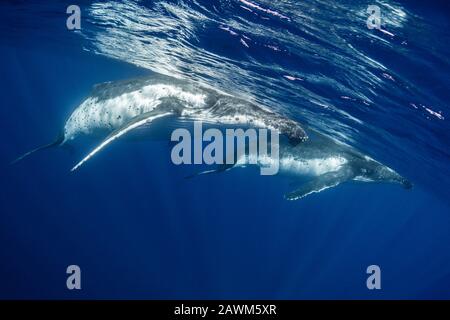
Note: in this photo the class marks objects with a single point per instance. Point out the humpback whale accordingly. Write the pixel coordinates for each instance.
(319, 163)
(114, 109)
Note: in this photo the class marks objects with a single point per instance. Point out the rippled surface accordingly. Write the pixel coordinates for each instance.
(385, 92)
(316, 60)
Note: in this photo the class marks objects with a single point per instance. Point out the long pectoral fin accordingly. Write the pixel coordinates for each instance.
(134, 123)
(322, 182)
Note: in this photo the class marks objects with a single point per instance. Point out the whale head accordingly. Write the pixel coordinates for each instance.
(372, 170)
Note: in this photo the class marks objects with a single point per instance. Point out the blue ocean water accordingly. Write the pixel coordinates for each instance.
(137, 229)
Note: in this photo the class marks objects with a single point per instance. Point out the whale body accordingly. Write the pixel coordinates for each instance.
(114, 109)
(322, 162)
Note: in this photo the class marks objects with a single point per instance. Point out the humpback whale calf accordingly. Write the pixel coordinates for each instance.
(317, 164)
(114, 109)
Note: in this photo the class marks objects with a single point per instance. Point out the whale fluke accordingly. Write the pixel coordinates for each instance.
(136, 122)
(58, 141)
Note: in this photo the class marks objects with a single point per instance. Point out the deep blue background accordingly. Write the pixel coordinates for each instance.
(138, 229)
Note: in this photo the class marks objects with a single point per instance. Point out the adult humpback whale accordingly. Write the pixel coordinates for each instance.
(322, 162)
(114, 109)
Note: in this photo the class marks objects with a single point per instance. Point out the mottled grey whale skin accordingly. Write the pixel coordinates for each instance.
(114, 109)
(323, 163)
(112, 105)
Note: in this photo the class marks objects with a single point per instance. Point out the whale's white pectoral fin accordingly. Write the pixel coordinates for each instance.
(133, 124)
(322, 182)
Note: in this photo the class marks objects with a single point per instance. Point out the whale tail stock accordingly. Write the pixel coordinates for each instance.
(219, 169)
(57, 142)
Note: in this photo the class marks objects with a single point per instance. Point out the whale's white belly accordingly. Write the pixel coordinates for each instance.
(297, 166)
(312, 167)
(112, 113)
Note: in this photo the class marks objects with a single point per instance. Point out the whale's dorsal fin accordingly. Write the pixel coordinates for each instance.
(134, 123)
(322, 182)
